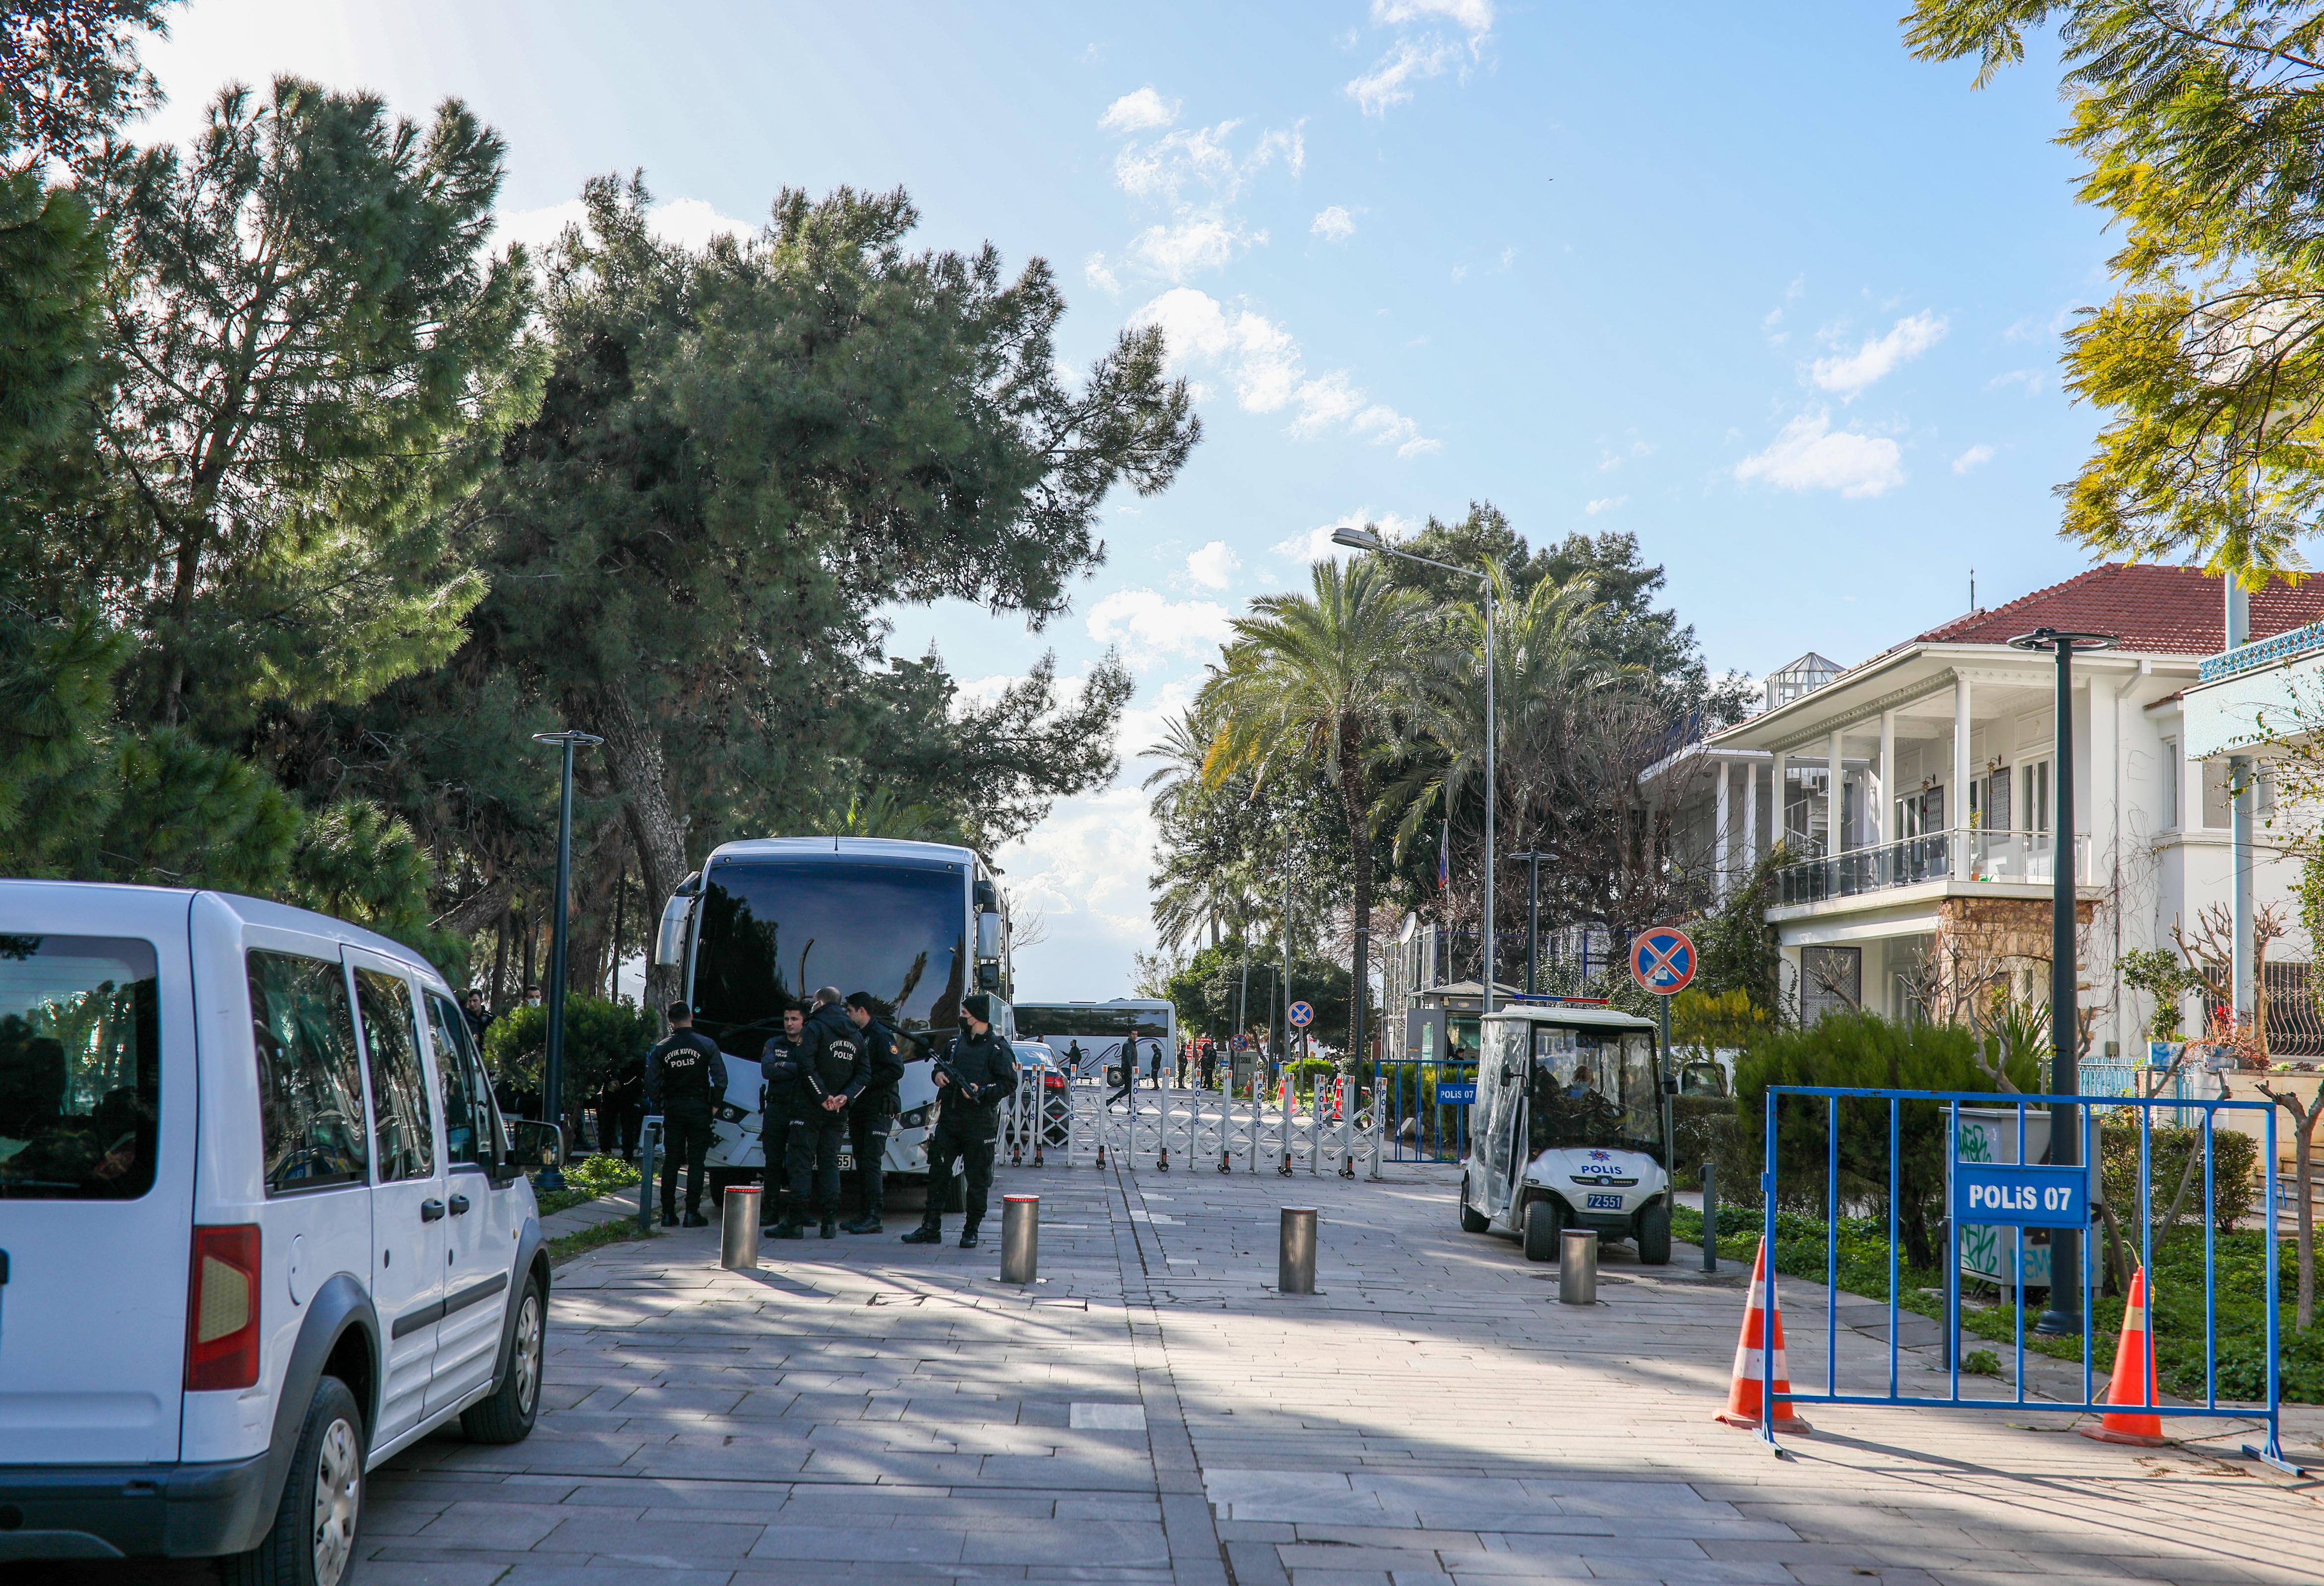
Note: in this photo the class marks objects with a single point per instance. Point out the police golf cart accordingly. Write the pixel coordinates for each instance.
(1569, 1130)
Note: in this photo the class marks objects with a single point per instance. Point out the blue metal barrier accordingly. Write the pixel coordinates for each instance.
(1420, 1123)
(2019, 1195)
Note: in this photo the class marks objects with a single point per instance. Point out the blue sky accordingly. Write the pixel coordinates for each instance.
(1747, 282)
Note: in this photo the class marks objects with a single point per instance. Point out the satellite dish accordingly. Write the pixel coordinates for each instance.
(1411, 929)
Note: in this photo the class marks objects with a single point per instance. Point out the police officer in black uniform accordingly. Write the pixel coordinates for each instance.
(872, 1114)
(973, 1077)
(779, 1067)
(833, 1070)
(686, 1077)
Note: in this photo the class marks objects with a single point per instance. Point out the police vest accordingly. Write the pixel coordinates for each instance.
(685, 1075)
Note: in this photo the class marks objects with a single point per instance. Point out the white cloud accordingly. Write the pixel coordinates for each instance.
(690, 221)
(1605, 504)
(1095, 270)
(1907, 339)
(1315, 545)
(1385, 85)
(1977, 456)
(1262, 361)
(1202, 158)
(1176, 252)
(1088, 862)
(2028, 378)
(1474, 16)
(1810, 455)
(1334, 224)
(1149, 626)
(1139, 112)
(1215, 565)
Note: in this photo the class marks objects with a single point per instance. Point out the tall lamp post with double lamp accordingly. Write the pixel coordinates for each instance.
(2064, 1312)
(1365, 539)
(552, 1077)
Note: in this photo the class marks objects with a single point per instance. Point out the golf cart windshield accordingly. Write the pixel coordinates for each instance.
(1594, 1087)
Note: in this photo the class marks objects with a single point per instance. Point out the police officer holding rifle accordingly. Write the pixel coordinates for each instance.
(976, 1073)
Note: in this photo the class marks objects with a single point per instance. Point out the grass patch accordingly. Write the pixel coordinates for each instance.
(565, 1247)
(2177, 1309)
(585, 1180)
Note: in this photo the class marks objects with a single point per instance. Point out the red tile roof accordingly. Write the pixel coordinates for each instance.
(2173, 610)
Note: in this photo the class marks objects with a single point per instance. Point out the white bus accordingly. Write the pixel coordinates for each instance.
(918, 925)
(1088, 1038)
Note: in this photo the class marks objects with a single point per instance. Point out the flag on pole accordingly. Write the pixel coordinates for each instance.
(1444, 856)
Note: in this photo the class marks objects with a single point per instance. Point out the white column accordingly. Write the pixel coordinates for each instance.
(1775, 798)
(1956, 796)
(1719, 839)
(1835, 795)
(1887, 818)
(1751, 816)
(2244, 807)
(2102, 777)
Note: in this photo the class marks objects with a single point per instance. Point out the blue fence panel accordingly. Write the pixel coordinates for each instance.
(2022, 1196)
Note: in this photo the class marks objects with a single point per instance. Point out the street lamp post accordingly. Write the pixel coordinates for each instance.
(2065, 1313)
(1532, 858)
(553, 1081)
(1365, 539)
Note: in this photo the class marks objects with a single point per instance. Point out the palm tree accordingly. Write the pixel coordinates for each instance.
(1309, 686)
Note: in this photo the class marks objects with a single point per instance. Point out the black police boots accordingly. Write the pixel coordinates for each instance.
(925, 1235)
(670, 1220)
(968, 1240)
(786, 1229)
(830, 1226)
(696, 1220)
(868, 1223)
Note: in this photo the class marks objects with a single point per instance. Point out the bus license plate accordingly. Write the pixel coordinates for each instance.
(1602, 1203)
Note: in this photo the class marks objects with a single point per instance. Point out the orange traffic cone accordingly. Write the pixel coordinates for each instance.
(2134, 1378)
(1743, 1391)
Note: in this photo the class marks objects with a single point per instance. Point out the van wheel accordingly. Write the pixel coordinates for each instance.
(312, 1541)
(508, 1415)
(1472, 1222)
(1544, 1220)
(1654, 1234)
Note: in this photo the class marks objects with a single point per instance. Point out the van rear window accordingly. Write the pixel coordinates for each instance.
(80, 1067)
(309, 1085)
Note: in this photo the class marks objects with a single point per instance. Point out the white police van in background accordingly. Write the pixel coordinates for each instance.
(260, 1227)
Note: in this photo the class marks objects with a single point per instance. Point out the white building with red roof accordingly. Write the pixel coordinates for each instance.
(1912, 793)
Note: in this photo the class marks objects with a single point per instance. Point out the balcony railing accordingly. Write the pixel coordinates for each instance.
(2265, 652)
(2028, 858)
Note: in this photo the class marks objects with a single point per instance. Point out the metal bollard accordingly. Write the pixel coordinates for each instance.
(1295, 1266)
(738, 1233)
(648, 1141)
(1577, 1266)
(1710, 1216)
(1020, 1238)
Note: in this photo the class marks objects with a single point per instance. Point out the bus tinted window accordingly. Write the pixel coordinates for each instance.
(1038, 1021)
(772, 931)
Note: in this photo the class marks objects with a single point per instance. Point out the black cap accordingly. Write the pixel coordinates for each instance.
(977, 1006)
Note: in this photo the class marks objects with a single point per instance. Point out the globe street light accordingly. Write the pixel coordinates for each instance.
(1365, 539)
(2064, 1313)
(552, 1079)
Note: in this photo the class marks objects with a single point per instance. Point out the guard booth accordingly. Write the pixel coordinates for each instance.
(1431, 1080)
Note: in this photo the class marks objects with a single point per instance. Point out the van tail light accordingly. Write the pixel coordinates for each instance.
(1053, 1082)
(222, 1309)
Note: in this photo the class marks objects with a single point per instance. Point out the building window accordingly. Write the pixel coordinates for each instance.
(1831, 981)
(2216, 797)
(2037, 777)
(2171, 784)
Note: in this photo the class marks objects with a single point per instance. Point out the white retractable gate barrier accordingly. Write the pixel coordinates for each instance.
(1084, 1125)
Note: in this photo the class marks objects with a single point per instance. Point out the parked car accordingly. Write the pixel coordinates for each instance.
(260, 1227)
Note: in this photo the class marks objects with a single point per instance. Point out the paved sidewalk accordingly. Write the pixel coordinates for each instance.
(862, 1409)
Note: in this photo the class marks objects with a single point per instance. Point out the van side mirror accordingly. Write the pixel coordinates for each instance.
(669, 942)
(533, 1146)
(988, 977)
(988, 936)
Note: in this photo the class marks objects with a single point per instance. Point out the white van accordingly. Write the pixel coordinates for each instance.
(260, 1228)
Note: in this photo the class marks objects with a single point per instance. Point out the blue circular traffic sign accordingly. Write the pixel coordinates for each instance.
(1301, 1015)
(1662, 959)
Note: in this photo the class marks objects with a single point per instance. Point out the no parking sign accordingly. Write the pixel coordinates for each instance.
(1662, 959)
(1301, 1015)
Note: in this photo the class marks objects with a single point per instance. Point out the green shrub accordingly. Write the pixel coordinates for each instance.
(599, 1038)
(1702, 1128)
(1861, 1051)
(2235, 1179)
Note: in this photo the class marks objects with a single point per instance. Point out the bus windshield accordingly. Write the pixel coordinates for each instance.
(774, 930)
(1594, 1087)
